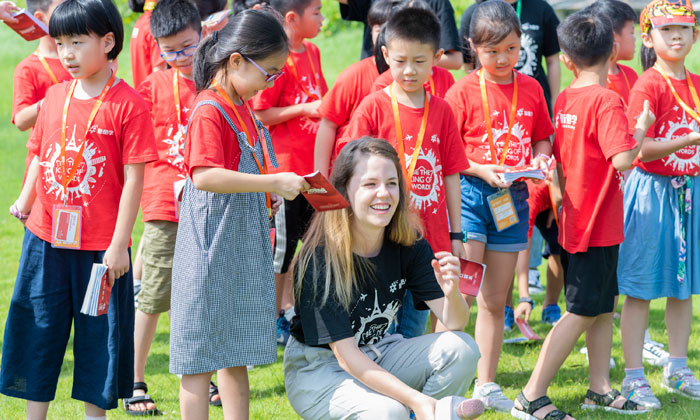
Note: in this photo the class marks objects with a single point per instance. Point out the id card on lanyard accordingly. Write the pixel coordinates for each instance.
(67, 220)
(500, 203)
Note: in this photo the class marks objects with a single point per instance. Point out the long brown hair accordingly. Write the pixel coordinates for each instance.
(331, 229)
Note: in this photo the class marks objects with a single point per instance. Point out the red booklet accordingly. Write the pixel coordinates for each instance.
(322, 195)
(526, 330)
(29, 27)
(471, 277)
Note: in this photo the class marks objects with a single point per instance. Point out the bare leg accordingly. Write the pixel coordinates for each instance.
(235, 392)
(94, 411)
(599, 343)
(138, 264)
(144, 331)
(635, 319)
(279, 287)
(679, 314)
(287, 301)
(37, 410)
(194, 396)
(555, 280)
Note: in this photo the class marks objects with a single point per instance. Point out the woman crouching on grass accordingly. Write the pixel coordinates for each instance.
(350, 278)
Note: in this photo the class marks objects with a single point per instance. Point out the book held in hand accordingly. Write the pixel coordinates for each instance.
(322, 195)
(471, 277)
(526, 330)
(29, 27)
(518, 173)
(96, 301)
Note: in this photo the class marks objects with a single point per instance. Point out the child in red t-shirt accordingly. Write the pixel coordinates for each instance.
(659, 194)
(592, 144)
(503, 119)
(169, 94)
(422, 128)
(91, 141)
(145, 57)
(291, 109)
(222, 315)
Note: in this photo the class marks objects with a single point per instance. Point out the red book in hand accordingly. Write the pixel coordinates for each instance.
(471, 277)
(29, 27)
(322, 195)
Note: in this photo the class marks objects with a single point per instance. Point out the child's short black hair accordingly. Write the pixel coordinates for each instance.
(586, 38)
(241, 5)
(492, 22)
(88, 17)
(286, 6)
(381, 11)
(414, 24)
(172, 16)
(617, 11)
(207, 7)
(34, 5)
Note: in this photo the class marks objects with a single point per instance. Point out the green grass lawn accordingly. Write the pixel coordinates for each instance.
(268, 399)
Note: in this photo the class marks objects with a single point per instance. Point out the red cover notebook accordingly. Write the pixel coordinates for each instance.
(29, 27)
(471, 277)
(322, 195)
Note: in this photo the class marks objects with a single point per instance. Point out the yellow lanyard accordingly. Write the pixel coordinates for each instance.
(43, 62)
(487, 117)
(399, 134)
(613, 87)
(293, 68)
(176, 97)
(693, 92)
(432, 85)
(65, 180)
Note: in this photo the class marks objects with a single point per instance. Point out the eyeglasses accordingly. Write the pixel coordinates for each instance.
(268, 77)
(185, 52)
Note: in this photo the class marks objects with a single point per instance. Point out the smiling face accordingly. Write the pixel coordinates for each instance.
(498, 60)
(248, 80)
(84, 55)
(373, 193)
(182, 40)
(410, 62)
(672, 42)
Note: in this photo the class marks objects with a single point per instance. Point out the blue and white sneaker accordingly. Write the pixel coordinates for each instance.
(509, 319)
(282, 329)
(551, 314)
(682, 381)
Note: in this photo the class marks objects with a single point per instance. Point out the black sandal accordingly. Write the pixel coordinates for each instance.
(530, 407)
(605, 401)
(214, 391)
(140, 399)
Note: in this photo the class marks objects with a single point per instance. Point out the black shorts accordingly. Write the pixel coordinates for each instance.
(590, 280)
(549, 234)
(291, 222)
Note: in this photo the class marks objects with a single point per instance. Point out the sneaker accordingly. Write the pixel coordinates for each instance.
(682, 381)
(458, 408)
(492, 396)
(551, 314)
(533, 282)
(584, 350)
(653, 355)
(509, 320)
(282, 329)
(639, 391)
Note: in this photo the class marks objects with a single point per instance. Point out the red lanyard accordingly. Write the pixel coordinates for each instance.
(43, 62)
(66, 177)
(262, 167)
(176, 97)
(487, 117)
(693, 92)
(293, 68)
(399, 135)
(613, 87)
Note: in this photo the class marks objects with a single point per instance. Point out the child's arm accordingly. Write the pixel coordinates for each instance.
(26, 117)
(26, 198)
(453, 195)
(451, 60)
(553, 76)
(117, 255)
(225, 181)
(488, 173)
(325, 141)
(653, 150)
(623, 160)
(277, 115)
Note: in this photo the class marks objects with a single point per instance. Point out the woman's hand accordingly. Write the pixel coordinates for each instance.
(289, 185)
(424, 407)
(447, 270)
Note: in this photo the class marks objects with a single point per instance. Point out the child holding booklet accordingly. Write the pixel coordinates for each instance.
(503, 127)
(80, 200)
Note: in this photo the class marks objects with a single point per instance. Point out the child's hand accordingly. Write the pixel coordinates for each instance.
(311, 109)
(20, 210)
(646, 118)
(458, 249)
(289, 185)
(276, 203)
(694, 139)
(424, 409)
(489, 173)
(523, 311)
(6, 9)
(447, 270)
(117, 261)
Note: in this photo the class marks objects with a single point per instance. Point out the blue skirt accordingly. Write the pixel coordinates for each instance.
(648, 266)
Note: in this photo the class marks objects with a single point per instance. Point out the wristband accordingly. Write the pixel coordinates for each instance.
(528, 300)
(17, 214)
(38, 105)
(457, 236)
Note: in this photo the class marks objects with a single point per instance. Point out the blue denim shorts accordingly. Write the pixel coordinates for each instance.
(49, 291)
(477, 221)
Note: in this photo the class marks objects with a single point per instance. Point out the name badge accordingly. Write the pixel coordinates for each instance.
(66, 226)
(502, 209)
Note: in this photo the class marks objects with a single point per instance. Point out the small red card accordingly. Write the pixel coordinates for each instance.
(471, 277)
(526, 330)
(322, 195)
(105, 292)
(29, 27)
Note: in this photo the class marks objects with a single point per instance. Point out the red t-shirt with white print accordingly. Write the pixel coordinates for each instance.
(294, 139)
(671, 121)
(158, 198)
(532, 118)
(442, 81)
(210, 140)
(349, 89)
(591, 127)
(622, 82)
(441, 154)
(121, 134)
(145, 54)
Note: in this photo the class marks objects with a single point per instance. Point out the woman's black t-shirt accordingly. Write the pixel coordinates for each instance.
(374, 307)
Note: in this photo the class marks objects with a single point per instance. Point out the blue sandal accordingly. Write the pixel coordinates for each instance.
(530, 407)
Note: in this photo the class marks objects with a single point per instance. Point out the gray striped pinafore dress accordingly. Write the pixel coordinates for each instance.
(223, 286)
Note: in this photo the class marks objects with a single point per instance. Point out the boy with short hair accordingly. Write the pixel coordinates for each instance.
(592, 144)
(169, 95)
(145, 58)
(290, 110)
(425, 133)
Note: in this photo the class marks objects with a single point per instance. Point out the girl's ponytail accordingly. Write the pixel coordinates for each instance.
(648, 56)
(203, 69)
(379, 61)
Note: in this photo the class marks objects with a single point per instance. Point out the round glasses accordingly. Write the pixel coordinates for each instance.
(172, 55)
